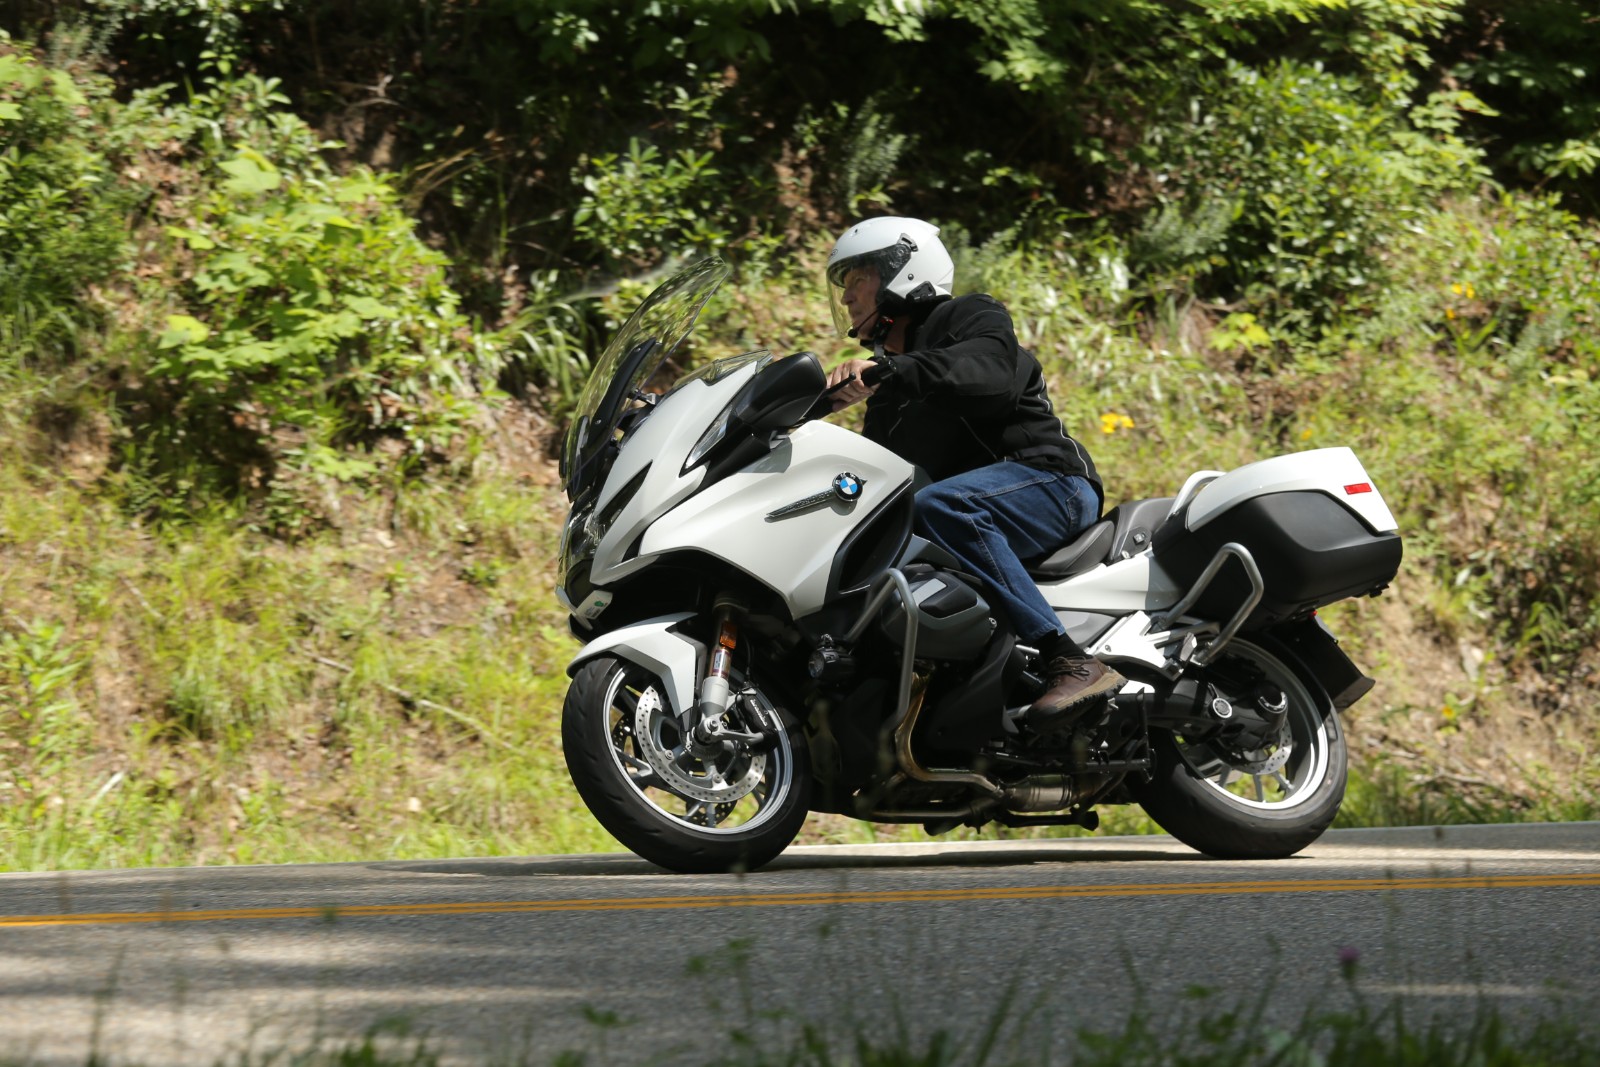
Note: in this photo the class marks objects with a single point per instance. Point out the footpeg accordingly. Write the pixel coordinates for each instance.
(1011, 718)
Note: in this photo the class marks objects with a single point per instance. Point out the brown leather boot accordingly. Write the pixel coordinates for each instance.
(1076, 683)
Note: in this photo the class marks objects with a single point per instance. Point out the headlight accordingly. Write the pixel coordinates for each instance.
(587, 528)
(710, 439)
(577, 542)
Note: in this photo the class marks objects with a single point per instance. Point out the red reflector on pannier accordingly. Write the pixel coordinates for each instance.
(1359, 487)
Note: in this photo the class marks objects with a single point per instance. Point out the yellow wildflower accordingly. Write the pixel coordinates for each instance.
(1112, 421)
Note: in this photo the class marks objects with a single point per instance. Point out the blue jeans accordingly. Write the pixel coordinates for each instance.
(993, 518)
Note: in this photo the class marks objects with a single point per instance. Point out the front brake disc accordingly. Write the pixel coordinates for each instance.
(723, 780)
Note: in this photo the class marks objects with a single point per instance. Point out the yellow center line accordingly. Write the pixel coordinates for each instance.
(769, 900)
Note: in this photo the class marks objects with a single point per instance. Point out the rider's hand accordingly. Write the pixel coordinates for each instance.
(851, 392)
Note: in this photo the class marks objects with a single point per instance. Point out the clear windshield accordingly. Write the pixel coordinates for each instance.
(638, 350)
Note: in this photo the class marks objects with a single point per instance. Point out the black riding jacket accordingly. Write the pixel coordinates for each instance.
(966, 394)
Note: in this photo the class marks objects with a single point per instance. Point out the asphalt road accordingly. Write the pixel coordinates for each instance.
(516, 960)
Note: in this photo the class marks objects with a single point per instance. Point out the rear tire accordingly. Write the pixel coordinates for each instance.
(1227, 803)
(753, 801)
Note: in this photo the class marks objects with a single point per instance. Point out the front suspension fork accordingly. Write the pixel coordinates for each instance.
(709, 732)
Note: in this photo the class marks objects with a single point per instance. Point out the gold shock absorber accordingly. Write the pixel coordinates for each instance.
(715, 692)
(727, 641)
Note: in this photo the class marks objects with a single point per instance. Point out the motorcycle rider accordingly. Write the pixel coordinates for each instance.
(950, 389)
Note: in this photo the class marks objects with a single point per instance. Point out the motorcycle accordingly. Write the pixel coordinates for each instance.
(765, 635)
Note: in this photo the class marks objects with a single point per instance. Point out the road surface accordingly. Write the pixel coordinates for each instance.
(516, 960)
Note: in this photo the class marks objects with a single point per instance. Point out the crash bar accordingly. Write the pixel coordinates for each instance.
(894, 580)
(1258, 588)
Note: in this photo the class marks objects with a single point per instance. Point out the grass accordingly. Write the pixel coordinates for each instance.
(1386, 793)
(1200, 1030)
(388, 687)
(387, 684)
(215, 696)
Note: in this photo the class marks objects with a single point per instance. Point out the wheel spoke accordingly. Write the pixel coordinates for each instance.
(638, 770)
(1282, 771)
(703, 813)
(1209, 767)
(642, 774)
(654, 757)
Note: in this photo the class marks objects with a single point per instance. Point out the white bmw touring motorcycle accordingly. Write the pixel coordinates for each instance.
(766, 636)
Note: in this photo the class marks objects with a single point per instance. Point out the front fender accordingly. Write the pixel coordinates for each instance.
(653, 645)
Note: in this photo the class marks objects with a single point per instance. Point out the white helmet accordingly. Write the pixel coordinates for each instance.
(912, 264)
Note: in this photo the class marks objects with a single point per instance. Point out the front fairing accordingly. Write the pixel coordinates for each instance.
(652, 468)
(637, 351)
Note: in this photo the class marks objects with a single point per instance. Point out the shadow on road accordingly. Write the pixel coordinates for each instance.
(803, 859)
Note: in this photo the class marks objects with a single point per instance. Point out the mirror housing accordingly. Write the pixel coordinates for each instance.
(781, 393)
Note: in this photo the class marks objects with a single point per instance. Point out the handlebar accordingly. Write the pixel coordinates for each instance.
(824, 404)
(869, 377)
(841, 384)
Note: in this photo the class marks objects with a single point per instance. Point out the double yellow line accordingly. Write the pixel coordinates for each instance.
(331, 912)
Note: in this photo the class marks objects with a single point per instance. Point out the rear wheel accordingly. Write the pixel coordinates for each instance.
(1258, 797)
(626, 752)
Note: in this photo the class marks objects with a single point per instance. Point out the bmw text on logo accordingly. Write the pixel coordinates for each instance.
(846, 487)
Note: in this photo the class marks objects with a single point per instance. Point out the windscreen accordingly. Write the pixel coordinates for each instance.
(635, 353)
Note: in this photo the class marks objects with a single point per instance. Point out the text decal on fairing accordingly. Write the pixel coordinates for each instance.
(846, 489)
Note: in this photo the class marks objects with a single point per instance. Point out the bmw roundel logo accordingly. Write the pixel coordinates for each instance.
(847, 487)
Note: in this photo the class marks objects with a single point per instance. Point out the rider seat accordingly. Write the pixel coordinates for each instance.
(1124, 532)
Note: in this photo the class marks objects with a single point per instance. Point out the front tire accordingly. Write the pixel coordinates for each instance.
(1267, 802)
(625, 753)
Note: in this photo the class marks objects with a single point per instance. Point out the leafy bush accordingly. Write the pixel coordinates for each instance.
(282, 320)
(1284, 185)
(62, 210)
(637, 204)
(1533, 63)
(43, 720)
(301, 319)
(314, 306)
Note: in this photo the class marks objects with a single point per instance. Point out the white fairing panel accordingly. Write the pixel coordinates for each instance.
(661, 443)
(793, 553)
(1133, 584)
(1335, 471)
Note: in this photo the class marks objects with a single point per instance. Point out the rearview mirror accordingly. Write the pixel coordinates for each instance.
(781, 394)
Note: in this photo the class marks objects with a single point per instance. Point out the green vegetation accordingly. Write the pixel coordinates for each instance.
(1197, 1031)
(294, 297)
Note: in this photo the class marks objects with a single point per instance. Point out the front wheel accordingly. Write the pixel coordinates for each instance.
(626, 754)
(1261, 798)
